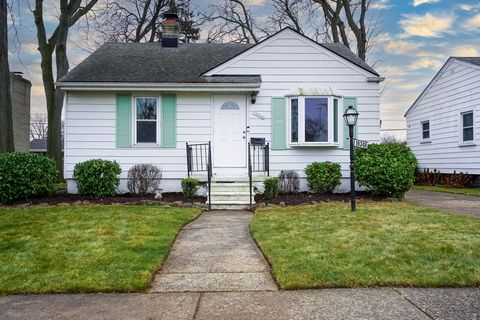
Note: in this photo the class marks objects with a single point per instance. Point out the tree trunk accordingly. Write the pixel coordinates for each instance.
(6, 121)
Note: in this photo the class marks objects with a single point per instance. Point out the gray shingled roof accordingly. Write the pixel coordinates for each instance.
(472, 60)
(344, 52)
(150, 62)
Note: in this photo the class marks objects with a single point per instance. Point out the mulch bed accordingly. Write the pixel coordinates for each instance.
(63, 198)
(305, 197)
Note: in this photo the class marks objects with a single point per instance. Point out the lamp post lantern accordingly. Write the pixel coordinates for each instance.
(351, 116)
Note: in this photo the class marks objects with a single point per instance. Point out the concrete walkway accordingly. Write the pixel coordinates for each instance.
(346, 304)
(215, 253)
(457, 203)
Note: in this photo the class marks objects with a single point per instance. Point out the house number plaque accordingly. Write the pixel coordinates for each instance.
(258, 115)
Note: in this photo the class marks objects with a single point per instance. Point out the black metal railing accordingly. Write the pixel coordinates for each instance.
(199, 159)
(258, 161)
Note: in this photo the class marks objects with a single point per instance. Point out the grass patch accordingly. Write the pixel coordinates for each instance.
(465, 191)
(85, 248)
(382, 244)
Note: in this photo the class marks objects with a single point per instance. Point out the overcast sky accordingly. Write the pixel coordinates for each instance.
(415, 38)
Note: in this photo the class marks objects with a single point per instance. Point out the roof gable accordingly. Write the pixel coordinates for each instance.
(473, 62)
(337, 50)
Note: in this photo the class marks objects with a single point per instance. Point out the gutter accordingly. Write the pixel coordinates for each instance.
(118, 86)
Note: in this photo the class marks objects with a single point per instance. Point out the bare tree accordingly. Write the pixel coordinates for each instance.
(38, 127)
(6, 122)
(141, 20)
(287, 13)
(232, 22)
(70, 12)
(352, 13)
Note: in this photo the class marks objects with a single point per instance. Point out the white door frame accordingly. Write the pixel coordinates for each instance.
(239, 167)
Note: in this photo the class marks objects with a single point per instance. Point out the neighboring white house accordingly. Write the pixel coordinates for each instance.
(142, 102)
(443, 124)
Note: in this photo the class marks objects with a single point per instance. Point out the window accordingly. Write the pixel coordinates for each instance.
(146, 114)
(313, 120)
(467, 126)
(294, 121)
(425, 130)
(230, 105)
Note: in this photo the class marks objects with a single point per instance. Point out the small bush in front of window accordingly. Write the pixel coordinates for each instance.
(143, 179)
(189, 187)
(323, 177)
(25, 175)
(272, 187)
(386, 169)
(289, 181)
(97, 177)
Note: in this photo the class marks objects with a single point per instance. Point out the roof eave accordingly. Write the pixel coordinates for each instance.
(116, 86)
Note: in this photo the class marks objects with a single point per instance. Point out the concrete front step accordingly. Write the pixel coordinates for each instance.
(231, 195)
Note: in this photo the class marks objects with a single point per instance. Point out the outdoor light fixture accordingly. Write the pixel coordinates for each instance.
(351, 116)
(253, 97)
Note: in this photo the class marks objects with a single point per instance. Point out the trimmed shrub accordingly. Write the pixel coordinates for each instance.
(272, 187)
(427, 177)
(323, 177)
(25, 175)
(189, 187)
(289, 181)
(97, 177)
(143, 179)
(457, 180)
(386, 169)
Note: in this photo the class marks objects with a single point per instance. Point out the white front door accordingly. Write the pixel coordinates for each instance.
(229, 138)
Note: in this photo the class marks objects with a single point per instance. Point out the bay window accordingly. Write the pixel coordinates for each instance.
(313, 120)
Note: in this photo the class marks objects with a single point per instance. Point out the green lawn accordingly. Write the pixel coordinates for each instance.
(85, 248)
(465, 191)
(382, 244)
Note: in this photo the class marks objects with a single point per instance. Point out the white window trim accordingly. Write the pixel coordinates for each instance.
(134, 122)
(462, 143)
(426, 140)
(301, 123)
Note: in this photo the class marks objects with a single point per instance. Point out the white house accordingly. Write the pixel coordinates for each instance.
(143, 102)
(444, 122)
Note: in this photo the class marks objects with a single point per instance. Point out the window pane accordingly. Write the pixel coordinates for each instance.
(147, 108)
(335, 120)
(426, 125)
(294, 121)
(426, 134)
(468, 119)
(468, 134)
(316, 119)
(147, 131)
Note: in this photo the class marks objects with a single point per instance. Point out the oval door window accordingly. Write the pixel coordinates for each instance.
(230, 105)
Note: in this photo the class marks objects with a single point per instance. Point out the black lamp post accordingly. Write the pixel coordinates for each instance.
(351, 116)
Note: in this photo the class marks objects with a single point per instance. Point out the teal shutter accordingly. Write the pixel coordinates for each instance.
(335, 120)
(169, 121)
(124, 120)
(348, 101)
(279, 126)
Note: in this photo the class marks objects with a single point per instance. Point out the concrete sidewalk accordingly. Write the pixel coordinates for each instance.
(348, 304)
(458, 203)
(215, 253)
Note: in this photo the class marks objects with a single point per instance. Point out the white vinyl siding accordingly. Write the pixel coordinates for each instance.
(289, 62)
(455, 91)
(90, 117)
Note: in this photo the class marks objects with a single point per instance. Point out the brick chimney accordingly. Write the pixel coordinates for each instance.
(170, 27)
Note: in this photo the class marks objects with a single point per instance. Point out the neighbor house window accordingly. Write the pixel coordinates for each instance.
(313, 120)
(146, 116)
(467, 126)
(425, 130)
